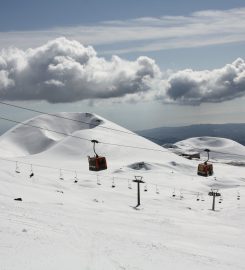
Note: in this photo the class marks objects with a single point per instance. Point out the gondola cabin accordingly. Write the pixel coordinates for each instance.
(97, 163)
(205, 169)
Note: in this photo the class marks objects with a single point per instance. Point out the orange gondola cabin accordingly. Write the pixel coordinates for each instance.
(205, 169)
(96, 163)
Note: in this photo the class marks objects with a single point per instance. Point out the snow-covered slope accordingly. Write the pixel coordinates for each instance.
(60, 224)
(25, 139)
(120, 146)
(221, 149)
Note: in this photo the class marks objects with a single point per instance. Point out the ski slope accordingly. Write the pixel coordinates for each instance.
(60, 224)
(222, 149)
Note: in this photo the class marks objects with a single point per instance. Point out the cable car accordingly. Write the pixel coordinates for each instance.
(96, 163)
(205, 169)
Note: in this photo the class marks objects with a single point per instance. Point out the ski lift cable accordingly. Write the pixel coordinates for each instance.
(92, 175)
(78, 121)
(64, 169)
(184, 191)
(109, 177)
(225, 153)
(72, 171)
(199, 150)
(62, 117)
(61, 169)
(218, 152)
(81, 138)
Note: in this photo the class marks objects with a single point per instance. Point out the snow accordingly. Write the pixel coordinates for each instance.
(65, 225)
(222, 149)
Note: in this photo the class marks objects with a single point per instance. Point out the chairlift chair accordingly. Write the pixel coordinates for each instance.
(113, 183)
(96, 163)
(31, 173)
(220, 199)
(61, 175)
(17, 168)
(98, 180)
(129, 185)
(75, 178)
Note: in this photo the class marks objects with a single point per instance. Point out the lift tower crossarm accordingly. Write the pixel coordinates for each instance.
(214, 193)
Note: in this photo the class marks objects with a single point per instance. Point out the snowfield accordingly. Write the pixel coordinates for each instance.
(222, 149)
(60, 224)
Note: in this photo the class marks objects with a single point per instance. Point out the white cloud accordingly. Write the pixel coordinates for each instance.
(64, 70)
(196, 87)
(201, 28)
(5, 81)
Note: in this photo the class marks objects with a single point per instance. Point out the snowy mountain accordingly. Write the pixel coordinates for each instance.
(26, 139)
(222, 149)
(67, 224)
(120, 146)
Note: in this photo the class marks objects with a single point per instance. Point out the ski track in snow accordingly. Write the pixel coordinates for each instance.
(65, 225)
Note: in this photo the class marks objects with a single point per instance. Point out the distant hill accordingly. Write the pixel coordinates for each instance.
(222, 149)
(165, 135)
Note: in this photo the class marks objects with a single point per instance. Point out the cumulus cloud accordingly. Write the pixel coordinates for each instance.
(64, 70)
(195, 87)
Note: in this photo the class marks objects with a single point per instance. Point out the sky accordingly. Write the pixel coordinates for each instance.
(141, 64)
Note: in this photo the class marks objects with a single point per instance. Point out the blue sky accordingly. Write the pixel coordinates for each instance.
(29, 15)
(178, 36)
